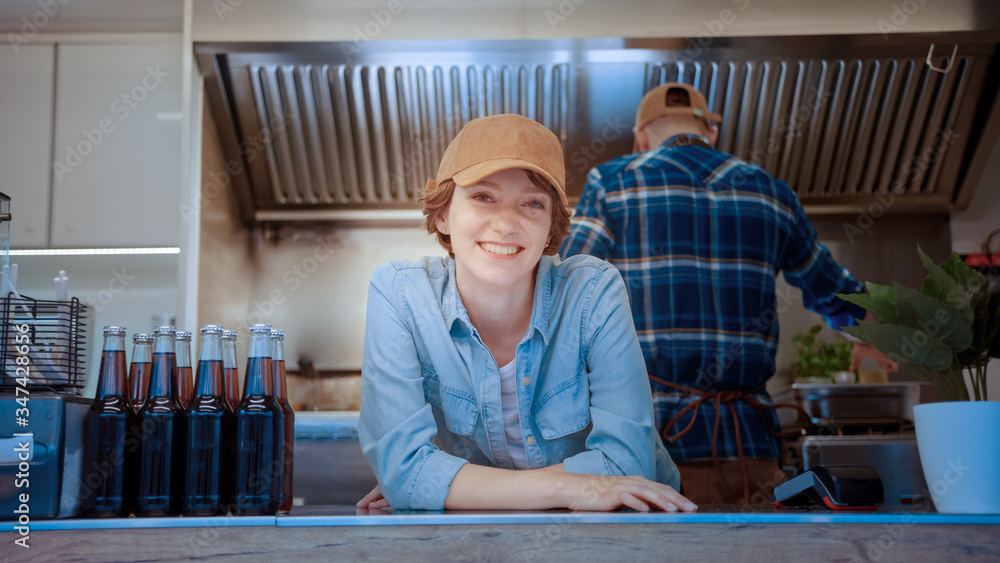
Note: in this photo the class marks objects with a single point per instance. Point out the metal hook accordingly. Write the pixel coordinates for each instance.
(951, 61)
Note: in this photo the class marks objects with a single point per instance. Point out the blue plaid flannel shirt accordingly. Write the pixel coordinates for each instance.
(699, 237)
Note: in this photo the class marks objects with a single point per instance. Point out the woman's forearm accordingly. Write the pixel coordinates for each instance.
(489, 488)
(476, 487)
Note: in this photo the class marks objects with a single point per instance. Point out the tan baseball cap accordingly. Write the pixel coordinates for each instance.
(654, 105)
(499, 142)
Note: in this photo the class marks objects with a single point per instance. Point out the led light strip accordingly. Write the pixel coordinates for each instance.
(96, 251)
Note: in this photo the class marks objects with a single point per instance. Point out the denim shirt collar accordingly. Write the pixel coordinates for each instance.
(454, 310)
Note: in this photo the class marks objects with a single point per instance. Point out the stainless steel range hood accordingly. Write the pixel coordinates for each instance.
(349, 131)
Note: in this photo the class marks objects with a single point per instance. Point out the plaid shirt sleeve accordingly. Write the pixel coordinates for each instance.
(809, 266)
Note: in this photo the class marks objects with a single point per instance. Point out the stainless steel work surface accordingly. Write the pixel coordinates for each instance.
(851, 403)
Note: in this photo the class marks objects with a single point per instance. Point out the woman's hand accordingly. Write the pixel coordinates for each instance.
(600, 492)
(374, 499)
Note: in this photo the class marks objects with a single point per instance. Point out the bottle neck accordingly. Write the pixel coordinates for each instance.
(183, 350)
(229, 353)
(210, 349)
(142, 352)
(258, 379)
(210, 365)
(112, 375)
(278, 368)
(277, 350)
(163, 364)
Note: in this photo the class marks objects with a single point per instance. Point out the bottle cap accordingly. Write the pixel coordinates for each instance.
(114, 329)
(277, 334)
(165, 328)
(142, 337)
(229, 334)
(183, 335)
(260, 328)
(211, 328)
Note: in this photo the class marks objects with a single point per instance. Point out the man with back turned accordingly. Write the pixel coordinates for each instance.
(700, 236)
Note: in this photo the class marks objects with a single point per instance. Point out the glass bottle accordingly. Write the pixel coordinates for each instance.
(288, 423)
(107, 424)
(183, 385)
(258, 467)
(158, 422)
(207, 428)
(230, 375)
(141, 367)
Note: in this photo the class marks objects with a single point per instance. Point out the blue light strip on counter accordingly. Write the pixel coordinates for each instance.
(494, 518)
(732, 518)
(163, 522)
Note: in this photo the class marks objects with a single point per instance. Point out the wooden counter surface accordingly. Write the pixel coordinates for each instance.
(340, 533)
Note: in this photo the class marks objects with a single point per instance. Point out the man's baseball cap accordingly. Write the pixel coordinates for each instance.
(654, 105)
(499, 142)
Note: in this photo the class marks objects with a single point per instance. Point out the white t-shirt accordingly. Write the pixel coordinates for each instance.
(511, 418)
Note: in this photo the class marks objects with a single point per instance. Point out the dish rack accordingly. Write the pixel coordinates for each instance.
(51, 335)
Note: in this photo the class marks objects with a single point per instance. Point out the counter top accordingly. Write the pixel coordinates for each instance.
(348, 515)
(343, 533)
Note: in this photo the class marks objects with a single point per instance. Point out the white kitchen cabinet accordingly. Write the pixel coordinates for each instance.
(26, 93)
(116, 163)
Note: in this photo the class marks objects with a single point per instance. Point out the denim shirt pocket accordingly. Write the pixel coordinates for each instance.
(563, 409)
(460, 410)
(458, 406)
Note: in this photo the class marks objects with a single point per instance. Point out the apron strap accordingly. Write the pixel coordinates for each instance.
(726, 397)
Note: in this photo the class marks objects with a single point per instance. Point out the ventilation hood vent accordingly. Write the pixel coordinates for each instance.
(339, 131)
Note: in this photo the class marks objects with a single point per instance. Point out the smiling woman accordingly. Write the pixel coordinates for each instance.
(499, 228)
(501, 377)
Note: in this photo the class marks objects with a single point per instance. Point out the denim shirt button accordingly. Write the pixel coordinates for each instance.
(531, 440)
(525, 381)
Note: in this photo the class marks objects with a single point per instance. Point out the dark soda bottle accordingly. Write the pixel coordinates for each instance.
(183, 385)
(207, 428)
(140, 369)
(159, 441)
(107, 423)
(258, 467)
(230, 374)
(288, 422)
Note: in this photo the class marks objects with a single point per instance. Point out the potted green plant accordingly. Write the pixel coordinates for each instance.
(946, 332)
(817, 359)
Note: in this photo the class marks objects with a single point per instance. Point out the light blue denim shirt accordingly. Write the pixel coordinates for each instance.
(430, 399)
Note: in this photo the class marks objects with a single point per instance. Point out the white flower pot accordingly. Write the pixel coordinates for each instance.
(959, 444)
